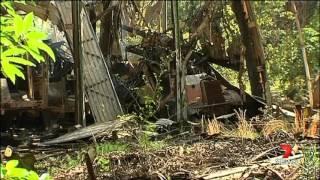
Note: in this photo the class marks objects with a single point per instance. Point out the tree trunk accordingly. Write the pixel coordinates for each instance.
(92, 16)
(109, 30)
(105, 32)
(304, 54)
(180, 69)
(255, 58)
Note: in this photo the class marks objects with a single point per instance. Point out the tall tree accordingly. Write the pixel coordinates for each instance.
(255, 59)
(109, 28)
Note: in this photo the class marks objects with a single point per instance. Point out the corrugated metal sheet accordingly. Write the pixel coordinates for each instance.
(99, 88)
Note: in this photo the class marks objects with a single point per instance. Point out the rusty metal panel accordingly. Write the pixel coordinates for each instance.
(98, 84)
(211, 91)
(213, 99)
(193, 90)
(194, 94)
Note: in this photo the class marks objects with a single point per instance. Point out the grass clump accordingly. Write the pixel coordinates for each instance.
(244, 130)
(214, 127)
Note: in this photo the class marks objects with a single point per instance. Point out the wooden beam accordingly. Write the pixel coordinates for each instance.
(180, 69)
(76, 10)
(30, 83)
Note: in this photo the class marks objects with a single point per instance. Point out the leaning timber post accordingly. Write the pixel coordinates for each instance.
(304, 54)
(30, 83)
(180, 70)
(255, 58)
(77, 55)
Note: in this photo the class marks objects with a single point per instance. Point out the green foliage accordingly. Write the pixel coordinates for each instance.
(281, 46)
(108, 147)
(71, 161)
(105, 148)
(282, 49)
(104, 164)
(147, 144)
(311, 163)
(11, 172)
(20, 40)
(151, 101)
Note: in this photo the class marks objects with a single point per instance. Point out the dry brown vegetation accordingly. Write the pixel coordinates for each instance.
(275, 126)
(215, 127)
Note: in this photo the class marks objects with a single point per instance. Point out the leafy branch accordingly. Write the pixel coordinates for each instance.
(19, 39)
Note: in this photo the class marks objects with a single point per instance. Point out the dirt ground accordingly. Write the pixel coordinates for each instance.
(189, 159)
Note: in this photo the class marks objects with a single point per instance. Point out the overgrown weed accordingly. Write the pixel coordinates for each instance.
(244, 130)
(311, 163)
(214, 127)
(107, 147)
(145, 142)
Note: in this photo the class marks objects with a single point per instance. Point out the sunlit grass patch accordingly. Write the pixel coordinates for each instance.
(245, 129)
(214, 127)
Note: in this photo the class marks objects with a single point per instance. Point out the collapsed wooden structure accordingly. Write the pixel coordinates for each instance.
(191, 86)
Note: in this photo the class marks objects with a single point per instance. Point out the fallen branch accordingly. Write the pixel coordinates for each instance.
(236, 173)
(262, 154)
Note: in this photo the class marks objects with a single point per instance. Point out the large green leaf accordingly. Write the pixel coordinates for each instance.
(6, 20)
(18, 25)
(46, 49)
(17, 173)
(13, 52)
(12, 164)
(36, 36)
(34, 52)
(28, 22)
(19, 60)
(11, 71)
(33, 176)
(5, 41)
(7, 28)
